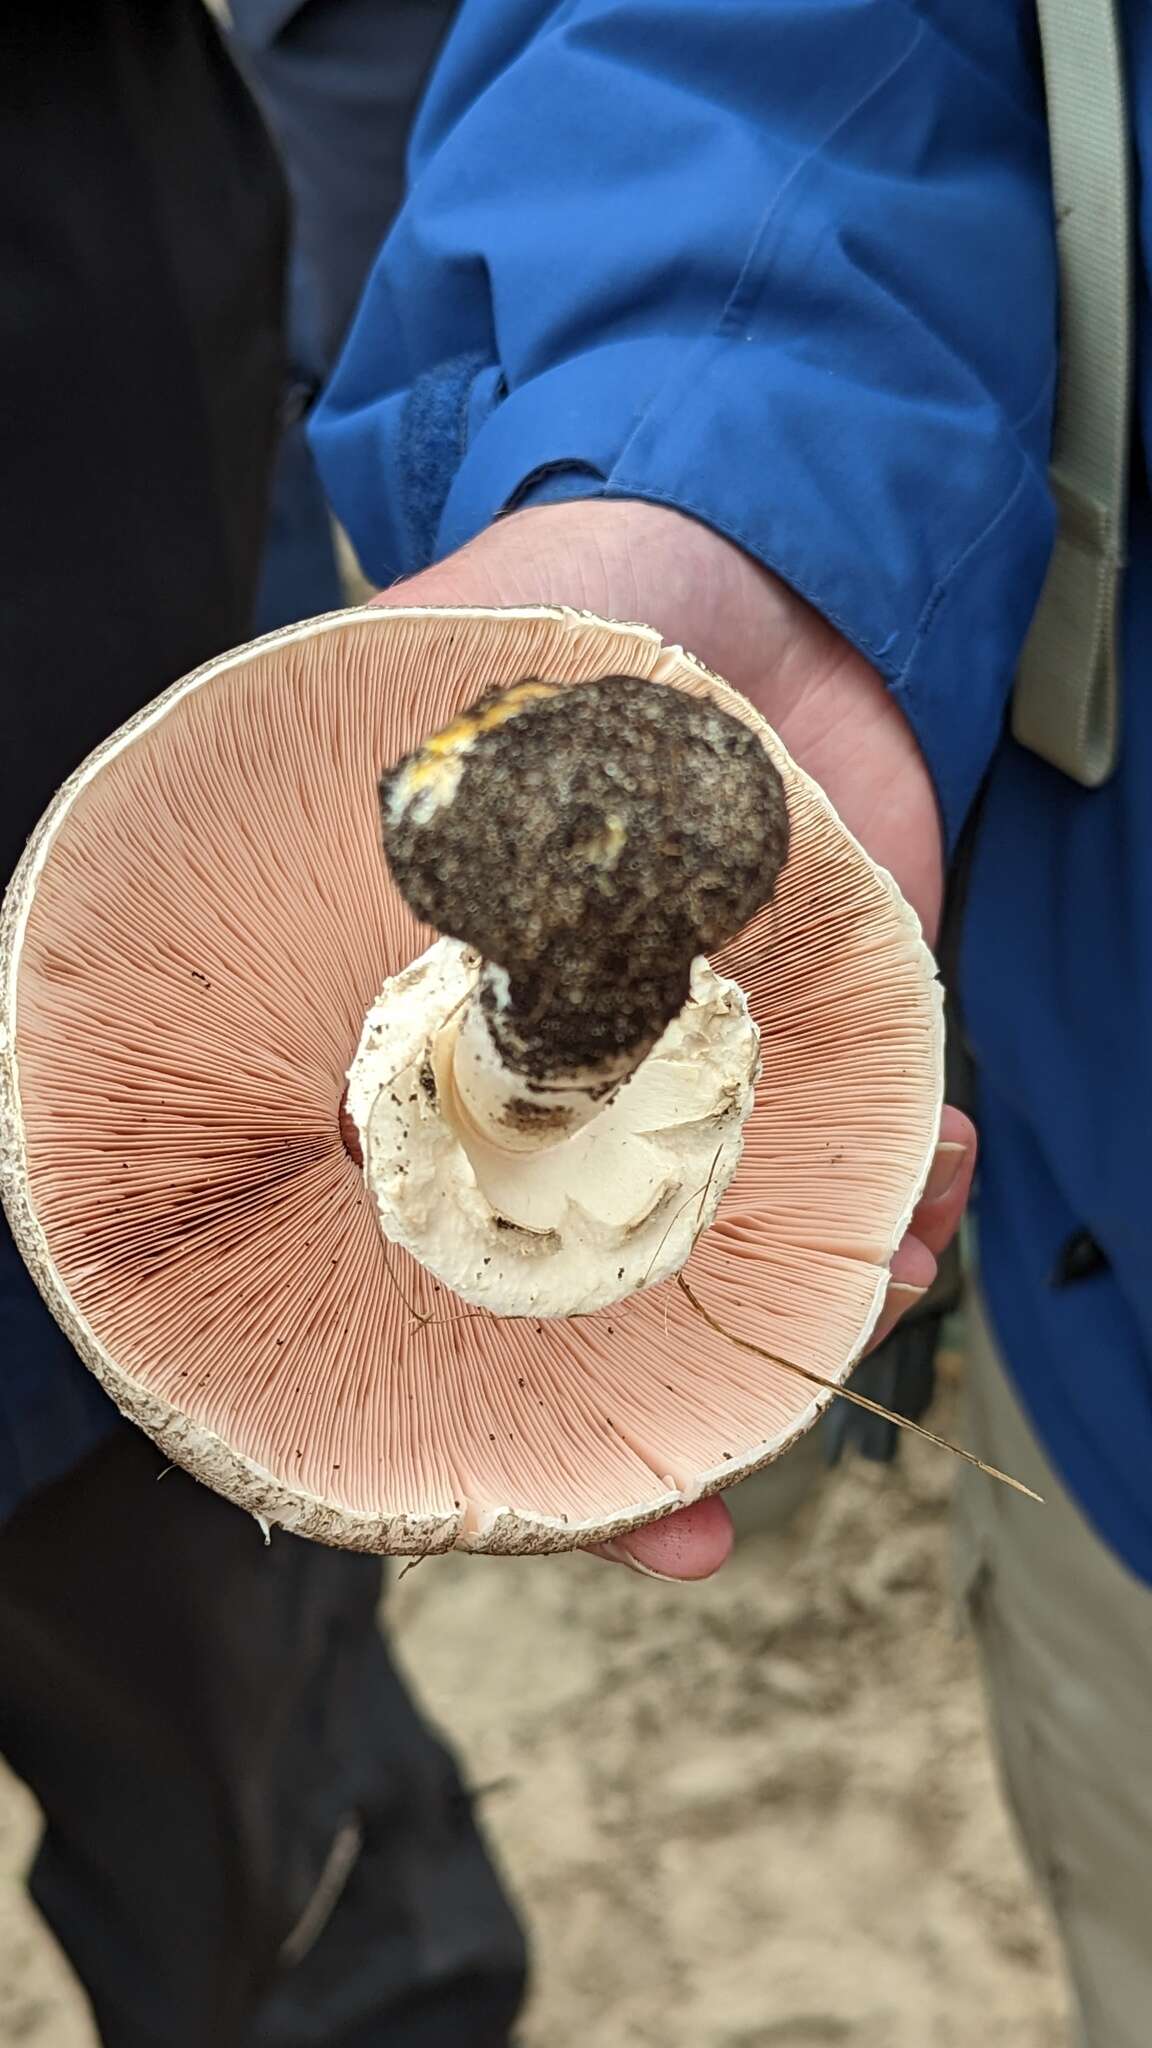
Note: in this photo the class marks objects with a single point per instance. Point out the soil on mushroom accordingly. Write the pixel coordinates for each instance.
(759, 1814)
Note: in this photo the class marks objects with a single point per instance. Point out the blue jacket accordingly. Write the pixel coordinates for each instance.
(789, 266)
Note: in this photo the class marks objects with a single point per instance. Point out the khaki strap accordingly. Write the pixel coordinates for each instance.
(1065, 704)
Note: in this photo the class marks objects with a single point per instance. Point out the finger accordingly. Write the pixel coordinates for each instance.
(956, 1127)
(941, 1206)
(691, 1544)
(912, 1273)
(934, 1223)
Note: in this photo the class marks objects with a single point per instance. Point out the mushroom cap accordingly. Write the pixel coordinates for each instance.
(187, 953)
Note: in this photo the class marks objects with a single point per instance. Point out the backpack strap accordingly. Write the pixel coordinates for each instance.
(1065, 703)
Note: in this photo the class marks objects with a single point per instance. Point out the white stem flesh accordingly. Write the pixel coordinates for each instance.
(510, 1111)
(612, 1208)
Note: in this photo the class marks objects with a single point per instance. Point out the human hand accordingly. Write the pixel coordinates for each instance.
(626, 560)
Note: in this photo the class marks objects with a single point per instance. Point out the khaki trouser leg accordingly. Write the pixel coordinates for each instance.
(1065, 1632)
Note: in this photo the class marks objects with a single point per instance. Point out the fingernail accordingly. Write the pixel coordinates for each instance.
(944, 1172)
(905, 1288)
(619, 1555)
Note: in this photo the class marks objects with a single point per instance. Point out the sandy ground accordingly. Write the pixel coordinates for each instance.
(758, 1814)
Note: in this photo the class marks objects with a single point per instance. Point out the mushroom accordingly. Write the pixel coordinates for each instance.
(585, 846)
(374, 1227)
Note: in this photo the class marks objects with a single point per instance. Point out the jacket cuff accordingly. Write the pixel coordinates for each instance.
(928, 557)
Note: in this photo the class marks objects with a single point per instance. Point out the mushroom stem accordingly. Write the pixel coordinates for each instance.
(557, 1230)
(590, 842)
(504, 1106)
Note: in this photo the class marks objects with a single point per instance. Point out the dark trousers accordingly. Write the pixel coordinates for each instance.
(250, 1842)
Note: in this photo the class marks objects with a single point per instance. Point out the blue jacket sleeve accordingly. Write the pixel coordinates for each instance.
(787, 265)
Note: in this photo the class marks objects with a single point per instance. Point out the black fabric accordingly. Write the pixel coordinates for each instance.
(339, 81)
(250, 1840)
(143, 222)
(143, 228)
(203, 1717)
